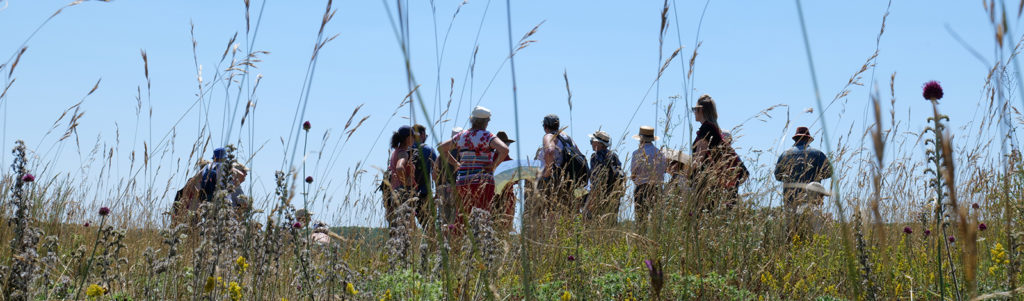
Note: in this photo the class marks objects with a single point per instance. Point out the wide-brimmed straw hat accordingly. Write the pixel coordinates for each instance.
(677, 156)
(803, 133)
(601, 137)
(504, 137)
(646, 134)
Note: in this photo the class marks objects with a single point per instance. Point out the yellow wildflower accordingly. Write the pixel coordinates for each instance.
(211, 283)
(350, 288)
(95, 291)
(241, 264)
(387, 296)
(235, 291)
(566, 296)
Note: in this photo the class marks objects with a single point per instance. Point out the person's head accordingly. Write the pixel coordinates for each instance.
(480, 118)
(706, 110)
(504, 138)
(600, 140)
(303, 216)
(677, 161)
(402, 137)
(456, 131)
(551, 123)
(240, 173)
(646, 135)
(420, 132)
(803, 136)
(727, 137)
(220, 154)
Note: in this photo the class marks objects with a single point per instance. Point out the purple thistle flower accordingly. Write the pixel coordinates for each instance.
(297, 225)
(309, 179)
(932, 91)
(927, 232)
(952, 239)
(908, 230)
(982, 227)
(28, 178)
(104, 211)
(572, 258)
(975, 206)
(306, 126)
(86, 224)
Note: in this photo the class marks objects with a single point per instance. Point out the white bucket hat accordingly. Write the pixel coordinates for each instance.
(481, 112)
(601, 137)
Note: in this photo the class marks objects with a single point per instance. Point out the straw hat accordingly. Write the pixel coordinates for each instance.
(803, 133)
(646, 134)
(817, 187)
(677, 156)
(601, 137)
(481, 112)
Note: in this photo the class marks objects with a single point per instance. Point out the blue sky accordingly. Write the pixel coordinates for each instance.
(751, 58)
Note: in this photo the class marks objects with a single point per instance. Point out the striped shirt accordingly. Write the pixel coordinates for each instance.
(475, 154)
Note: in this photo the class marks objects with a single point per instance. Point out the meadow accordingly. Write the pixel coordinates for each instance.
(942, 225)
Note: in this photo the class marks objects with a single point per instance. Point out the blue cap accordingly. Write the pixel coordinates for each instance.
(220, 153)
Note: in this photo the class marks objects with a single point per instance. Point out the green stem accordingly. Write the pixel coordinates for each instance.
(88, 263)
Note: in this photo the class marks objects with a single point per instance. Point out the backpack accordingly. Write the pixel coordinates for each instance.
(574, 164)
(421, 176)
(734, 166)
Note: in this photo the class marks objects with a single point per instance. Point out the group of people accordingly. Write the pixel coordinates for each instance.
(201, 187)
(707, 178)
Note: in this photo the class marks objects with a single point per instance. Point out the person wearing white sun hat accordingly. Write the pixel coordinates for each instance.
(602, 203)
(475, 164)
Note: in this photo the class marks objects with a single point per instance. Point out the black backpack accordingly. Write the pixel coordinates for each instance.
(574, 164)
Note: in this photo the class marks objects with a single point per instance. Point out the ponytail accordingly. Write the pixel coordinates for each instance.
(396, 140)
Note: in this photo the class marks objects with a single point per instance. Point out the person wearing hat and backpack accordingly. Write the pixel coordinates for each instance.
(602, 203)
(648, 174)
(799, 168)
(479, 153)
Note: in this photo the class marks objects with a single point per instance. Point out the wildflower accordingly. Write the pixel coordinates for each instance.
(211, 283)
(86, 224)
(908, 230)
(982, 226)
(566, 296)
(387, 296)
(235, 291)
(297, 225)
(306, 125)
(309, 179)
(927, 232)
(27, 178)
(572, 258)
(241, 265)
(932, 91)
(952, 239)
(351, 289)
(104, 211)
(95, 291)
(975, 206)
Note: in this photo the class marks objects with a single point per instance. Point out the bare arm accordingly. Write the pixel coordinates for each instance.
(549, 154)
(446, 152)
(501, 151)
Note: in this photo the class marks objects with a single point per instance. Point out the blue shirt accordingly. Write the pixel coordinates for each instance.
(648, 165)
(422, 175)
(803, 164)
